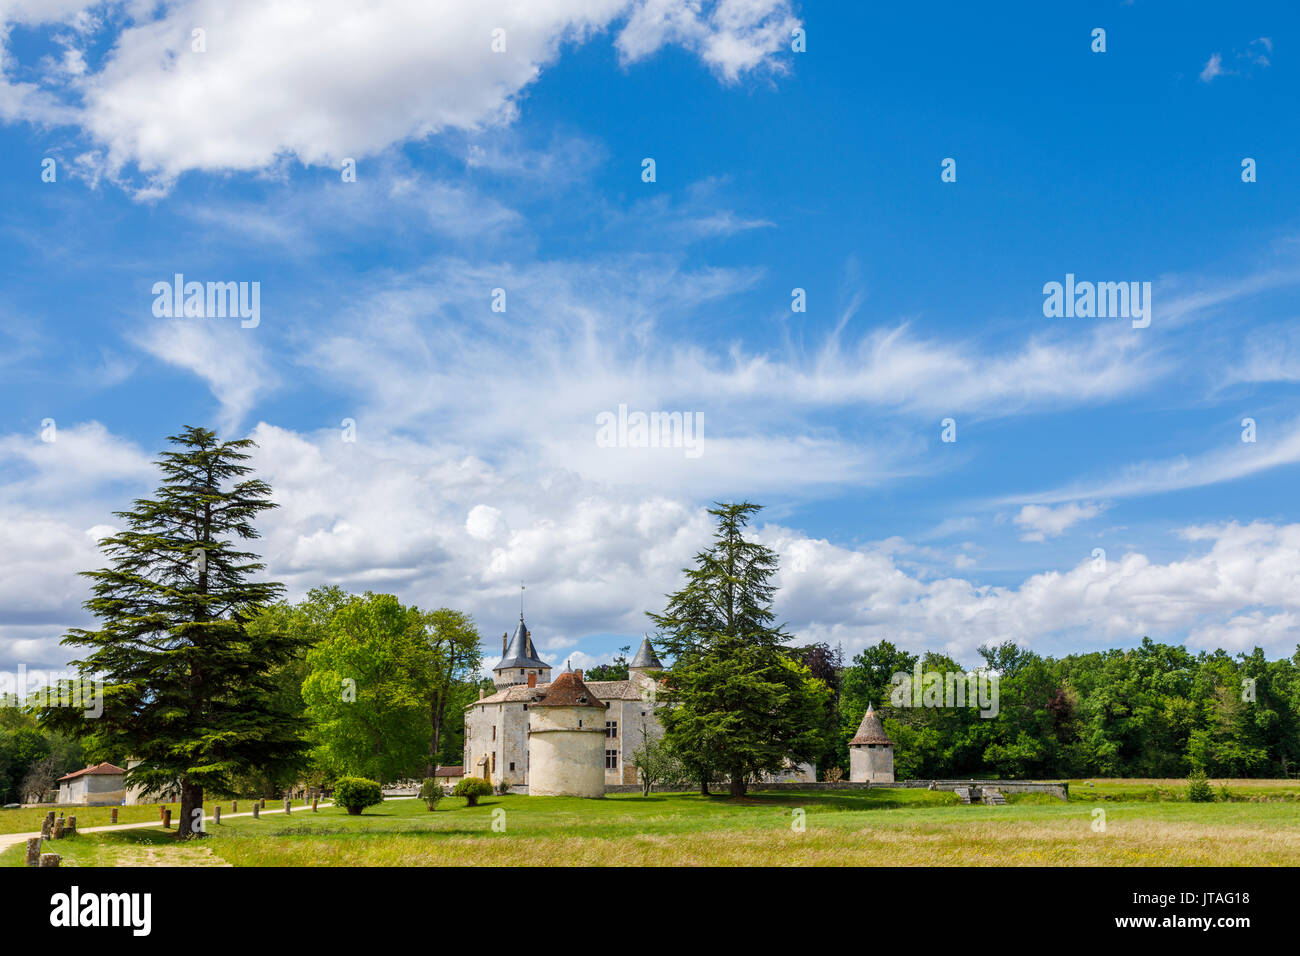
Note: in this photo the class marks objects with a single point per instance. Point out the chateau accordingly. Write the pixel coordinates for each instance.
(568, 736)
(559, 736)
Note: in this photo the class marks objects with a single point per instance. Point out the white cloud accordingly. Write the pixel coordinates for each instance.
(732, 36)
(227, 357)
(439, 528)
(483, 522)
(861, 596)
(1275, 447)
(324, 80)
(1213, 68)
(78, 457)
(1041, 522)
(1241, 633)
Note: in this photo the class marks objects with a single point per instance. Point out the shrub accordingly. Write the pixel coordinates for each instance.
(471, 788)
(1198, 788)
(1225, 794)
(431, 791)
(835, 774)
(357, 793)
(503, 786)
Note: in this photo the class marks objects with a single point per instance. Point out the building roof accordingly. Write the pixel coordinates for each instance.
(100, 768)
(521, 652)
(605, 690)
(871, 731)
(449, 772)
(568, 690)
(645, 656)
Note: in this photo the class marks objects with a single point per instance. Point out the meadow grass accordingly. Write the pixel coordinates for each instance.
(1138, 789)
(846, 827)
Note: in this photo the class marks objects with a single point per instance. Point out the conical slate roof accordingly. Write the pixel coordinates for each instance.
(520, 653)
(646, 657)
(568, 690)
(871, 731)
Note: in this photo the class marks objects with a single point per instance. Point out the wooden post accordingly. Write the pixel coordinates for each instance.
(33, 851)
(287, 805)
(167, 819)
(313, 803)
(58, 829)
(263, 802)
(71, 828)
(217, 812)
(256, 808)
(113, 816)
(50, 859)
(47, 827)
(234, 806)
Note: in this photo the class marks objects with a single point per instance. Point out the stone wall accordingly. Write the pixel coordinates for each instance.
(1056, 789)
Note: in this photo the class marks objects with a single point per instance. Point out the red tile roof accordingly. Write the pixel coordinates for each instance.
(449, 772)
(104, 768)
(568, 690)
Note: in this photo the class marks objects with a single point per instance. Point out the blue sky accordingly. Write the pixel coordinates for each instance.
(475, 463)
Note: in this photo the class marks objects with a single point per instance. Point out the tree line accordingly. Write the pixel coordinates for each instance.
(1154, 710)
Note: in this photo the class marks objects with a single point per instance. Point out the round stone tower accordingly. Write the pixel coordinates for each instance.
(566, 740)
(871, 752)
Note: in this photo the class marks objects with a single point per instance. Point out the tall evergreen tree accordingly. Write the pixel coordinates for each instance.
(188, 688)
(735, 699)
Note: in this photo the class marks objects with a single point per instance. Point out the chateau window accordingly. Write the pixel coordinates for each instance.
(512, 765)
(494, 731)
(611, 728)
(611, 759)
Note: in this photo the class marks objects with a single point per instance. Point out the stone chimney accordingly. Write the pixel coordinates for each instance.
(504, 647)
(481, 693)
(532, 680)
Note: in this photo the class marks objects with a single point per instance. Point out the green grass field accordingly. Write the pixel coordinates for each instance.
(1259, 825)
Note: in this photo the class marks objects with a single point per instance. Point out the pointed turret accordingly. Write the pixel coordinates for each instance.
(871, 730)
(518, 658)
(646, 660)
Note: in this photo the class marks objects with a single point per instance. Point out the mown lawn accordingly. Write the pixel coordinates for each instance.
(879, 827)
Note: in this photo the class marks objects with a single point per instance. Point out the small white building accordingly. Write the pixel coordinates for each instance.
(871, 752)
(449, 776)
(100, 785)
